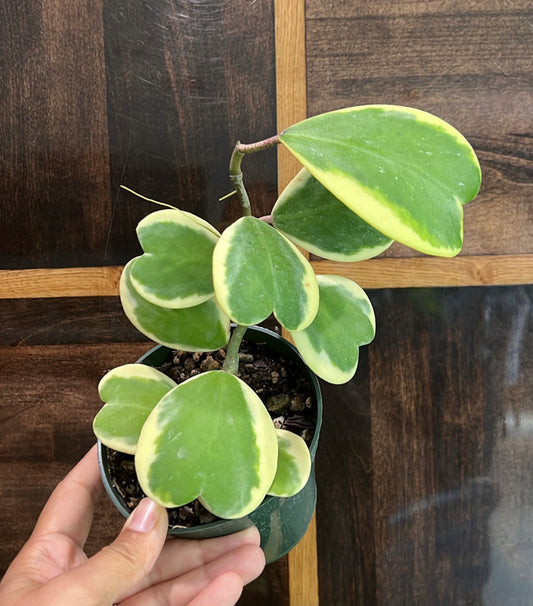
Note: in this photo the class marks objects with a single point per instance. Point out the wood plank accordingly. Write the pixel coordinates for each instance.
(171, 91)
(184, 84)
(65, 321)
(468, 63)
(381, 272)
(291, 107)
(431, 271)
(59, 282)
(345, 10)
(451, 454)
(55, 181)
(303, 574)
(291, 78)
(425, 460)
(345, 509)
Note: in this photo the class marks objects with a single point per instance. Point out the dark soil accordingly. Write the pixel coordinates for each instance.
(281, 385)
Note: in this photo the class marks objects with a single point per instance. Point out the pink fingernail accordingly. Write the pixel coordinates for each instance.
(144, 516)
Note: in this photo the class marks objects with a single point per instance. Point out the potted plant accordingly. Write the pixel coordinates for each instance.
(371, 175)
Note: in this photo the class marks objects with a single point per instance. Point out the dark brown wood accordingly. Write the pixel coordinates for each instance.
(54, 183)
(150, 95)
(185, 81)
(469, 63)
(345, 512)
(432, 450)
(65, 321)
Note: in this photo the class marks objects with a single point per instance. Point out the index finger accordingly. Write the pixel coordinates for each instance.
(70, 508)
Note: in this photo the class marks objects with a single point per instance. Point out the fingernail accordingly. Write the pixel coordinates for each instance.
(144, 516)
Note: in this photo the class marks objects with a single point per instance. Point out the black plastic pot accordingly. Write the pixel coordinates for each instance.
(282, 522)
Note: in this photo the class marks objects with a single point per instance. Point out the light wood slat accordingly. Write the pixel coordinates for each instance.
(291, 78)
(303, 566)
(59, 282)
(431, 271)
(291, 107)
(375, 273)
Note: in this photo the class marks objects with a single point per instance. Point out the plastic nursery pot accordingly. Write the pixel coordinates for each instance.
(282, 522)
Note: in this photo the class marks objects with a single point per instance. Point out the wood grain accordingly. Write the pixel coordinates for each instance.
(375, 273)
(185, 81)
(291, 107)
(345, 10)
(49, 397)
(291, 84)
(431, 271)
(424, 465)
(437, 432)
(345, 510)
(152, 95)
(303, 574)
(65, 321)
(54, 183)
(59, 282)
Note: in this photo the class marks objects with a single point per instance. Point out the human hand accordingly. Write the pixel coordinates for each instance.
(138, 568)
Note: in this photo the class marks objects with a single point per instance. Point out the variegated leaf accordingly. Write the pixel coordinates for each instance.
(257, 271)
(175, 270)
(203, 327)
(212, 438)
(404, 171)
(345, 320)
(294, 465)
(202, 223)
(130, 393)
(311, 217)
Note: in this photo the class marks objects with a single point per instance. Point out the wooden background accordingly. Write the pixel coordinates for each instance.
(431, 499)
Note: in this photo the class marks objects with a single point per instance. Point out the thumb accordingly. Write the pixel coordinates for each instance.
(118, 569)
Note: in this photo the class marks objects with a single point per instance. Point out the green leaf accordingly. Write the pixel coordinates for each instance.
(294, 465)
(212, 438)
(130, 393)
(203, 327)
(404, 171)
(345, 320)
(176, 268)
(202, 222)
(257, 271)
(311, 217)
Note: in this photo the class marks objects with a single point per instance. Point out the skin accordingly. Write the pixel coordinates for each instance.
(139, 568)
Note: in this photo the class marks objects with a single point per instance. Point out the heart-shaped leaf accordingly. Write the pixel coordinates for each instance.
(345, 320)
(130, 393)
(310, 215)
(176, 268)
(402, 170)
(212, 438)
(257, 271)
(203, 327)
(202, 223)
(294, 465)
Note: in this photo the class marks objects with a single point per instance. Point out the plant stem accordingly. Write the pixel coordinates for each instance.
(231, 363)
(235, 173)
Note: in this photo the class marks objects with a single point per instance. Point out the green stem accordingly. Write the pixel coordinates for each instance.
(231, 363)
(235, 173)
